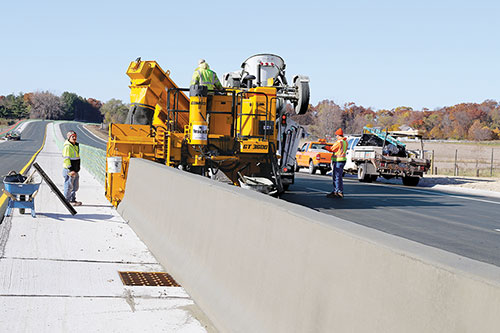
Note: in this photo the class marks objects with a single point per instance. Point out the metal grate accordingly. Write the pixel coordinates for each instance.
(148, 279)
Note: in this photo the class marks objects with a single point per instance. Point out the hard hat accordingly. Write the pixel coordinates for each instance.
(70, 133)
(339, 132)
(201, 61)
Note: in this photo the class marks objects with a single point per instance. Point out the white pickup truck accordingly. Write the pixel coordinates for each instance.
(381, 154)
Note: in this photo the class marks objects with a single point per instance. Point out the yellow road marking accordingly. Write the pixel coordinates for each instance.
(4, 197)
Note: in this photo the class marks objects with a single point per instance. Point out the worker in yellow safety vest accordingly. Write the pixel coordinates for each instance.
(71, 167)
(339, 150)
(204, 76)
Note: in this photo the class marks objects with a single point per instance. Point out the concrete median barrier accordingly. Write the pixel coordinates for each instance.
(254, 263)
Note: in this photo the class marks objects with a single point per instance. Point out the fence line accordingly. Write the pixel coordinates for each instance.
(464, 162)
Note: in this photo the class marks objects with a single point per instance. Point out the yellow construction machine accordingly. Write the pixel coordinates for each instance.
(237, 131)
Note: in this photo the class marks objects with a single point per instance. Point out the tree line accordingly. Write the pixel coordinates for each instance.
(465, 121)
(68, 106)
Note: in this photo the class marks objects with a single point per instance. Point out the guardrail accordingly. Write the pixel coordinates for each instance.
(92, 159)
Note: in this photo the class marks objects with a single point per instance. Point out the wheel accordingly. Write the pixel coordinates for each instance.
(373, 178)
(410, 181)
(302, 85)
(286, 187)
(312, 168)
(362, 176)
(323, 171)
(297, 168)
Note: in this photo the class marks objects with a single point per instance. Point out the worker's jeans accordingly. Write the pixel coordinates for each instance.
(337, 171)
(71, 185)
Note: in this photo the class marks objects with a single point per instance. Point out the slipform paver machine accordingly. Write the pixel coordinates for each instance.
(238, 131)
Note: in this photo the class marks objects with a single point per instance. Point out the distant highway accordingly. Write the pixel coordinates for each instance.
(83, 135)
(14, 155)
(465, 224)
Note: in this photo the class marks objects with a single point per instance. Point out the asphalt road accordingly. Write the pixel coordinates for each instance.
(14, 155)
(468, 225)
(83, 136)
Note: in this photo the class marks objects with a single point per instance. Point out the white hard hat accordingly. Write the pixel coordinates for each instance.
(201, 61)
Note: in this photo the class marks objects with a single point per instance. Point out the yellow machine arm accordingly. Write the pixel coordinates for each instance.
(148, 95)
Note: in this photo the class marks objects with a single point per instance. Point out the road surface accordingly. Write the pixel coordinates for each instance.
(465, 224)
(14, 155)
(83, 135)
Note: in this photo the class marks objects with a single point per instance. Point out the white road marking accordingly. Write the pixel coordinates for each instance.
(497, 230)
(401, 187)
(316, 190)
(91, 135)
(437, 193)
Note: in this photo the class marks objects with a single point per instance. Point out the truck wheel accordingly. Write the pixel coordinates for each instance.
(301, 83)
(410, 181)
(286, 187)
(323, 171)
(373, 178)
(362, 176)
(312, 168)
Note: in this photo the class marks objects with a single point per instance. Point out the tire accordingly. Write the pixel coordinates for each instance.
(373, 178)
(312, 168)
(286, 187)
(410, 181)
(362, 176)
(361, 172)
(323, 171)
(302, 104)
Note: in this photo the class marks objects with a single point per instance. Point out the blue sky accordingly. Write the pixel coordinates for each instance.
(381, 54)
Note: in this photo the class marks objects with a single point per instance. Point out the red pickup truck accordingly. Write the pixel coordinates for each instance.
(314, 156)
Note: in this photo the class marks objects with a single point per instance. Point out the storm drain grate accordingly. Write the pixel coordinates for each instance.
(148, 279)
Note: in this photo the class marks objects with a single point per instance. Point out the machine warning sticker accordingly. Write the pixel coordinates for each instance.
(199, 132)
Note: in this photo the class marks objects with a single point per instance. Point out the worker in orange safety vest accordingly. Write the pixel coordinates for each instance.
(339, 150)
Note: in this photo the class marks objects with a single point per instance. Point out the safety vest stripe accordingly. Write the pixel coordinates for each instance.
(340, 156)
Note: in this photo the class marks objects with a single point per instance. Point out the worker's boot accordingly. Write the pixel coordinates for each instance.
(331, 195)
(340, 195)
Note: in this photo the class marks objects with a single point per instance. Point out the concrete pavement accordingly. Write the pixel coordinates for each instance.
(59, 272)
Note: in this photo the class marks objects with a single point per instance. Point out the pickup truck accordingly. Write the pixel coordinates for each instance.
(314, 156)
(381, 154)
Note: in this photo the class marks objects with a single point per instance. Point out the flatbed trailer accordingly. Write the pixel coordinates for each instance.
(381, 154)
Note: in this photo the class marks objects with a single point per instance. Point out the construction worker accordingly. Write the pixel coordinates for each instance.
(339, 150)
(204, 76)
(71, 167)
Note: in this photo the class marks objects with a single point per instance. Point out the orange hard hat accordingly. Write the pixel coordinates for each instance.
(339, 132)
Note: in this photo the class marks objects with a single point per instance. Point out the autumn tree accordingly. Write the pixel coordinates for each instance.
(479, 132)
(328, 118)
(13, 107)
(114, 111)
(45, 105)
